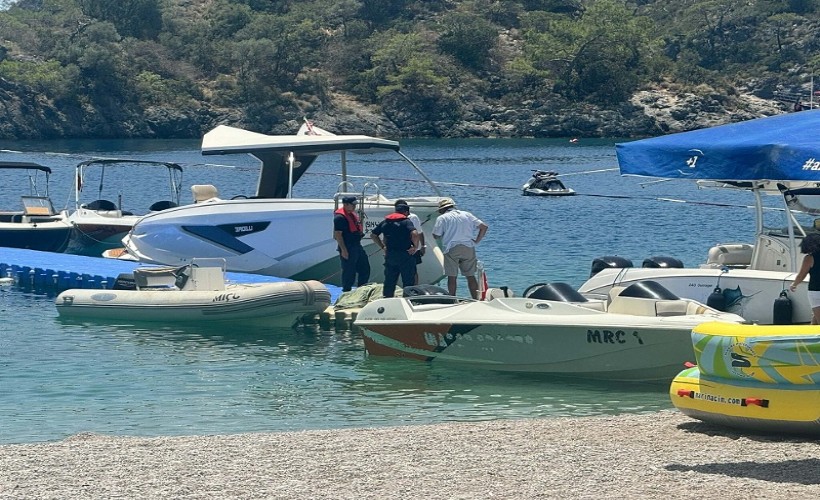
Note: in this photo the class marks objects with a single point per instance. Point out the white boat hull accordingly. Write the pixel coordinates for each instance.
(289, 238)
(525, 335)
(748, 293)
(270, 304)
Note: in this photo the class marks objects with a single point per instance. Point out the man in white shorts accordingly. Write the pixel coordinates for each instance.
(457, 233)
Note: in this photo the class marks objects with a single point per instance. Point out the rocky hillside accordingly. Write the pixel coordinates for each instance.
(648, 113)
(404, 68)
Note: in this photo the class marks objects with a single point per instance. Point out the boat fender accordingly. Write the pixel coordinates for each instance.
(782, 312)
(716, 300)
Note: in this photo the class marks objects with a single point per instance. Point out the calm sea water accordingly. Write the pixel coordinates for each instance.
(59, 378)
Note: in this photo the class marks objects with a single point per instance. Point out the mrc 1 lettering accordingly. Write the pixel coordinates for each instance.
(606, 337)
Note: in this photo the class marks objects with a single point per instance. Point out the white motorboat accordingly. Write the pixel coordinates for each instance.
(640, 333)
(103, 214)
(38, 226)
(751, 280)
(195, 292)
(274, 233)
(545, 183)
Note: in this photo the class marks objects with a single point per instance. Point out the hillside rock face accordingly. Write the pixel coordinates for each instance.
(25, 115)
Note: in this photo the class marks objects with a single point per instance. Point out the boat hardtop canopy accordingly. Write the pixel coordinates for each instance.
(123, 161)
(226, 140)
(24, 166)
(781, 148)
(285, 158)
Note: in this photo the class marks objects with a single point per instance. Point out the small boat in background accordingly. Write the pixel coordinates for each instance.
(195, 292)
(37, 226)
(99, 222)
(545, 183)
(641, 333)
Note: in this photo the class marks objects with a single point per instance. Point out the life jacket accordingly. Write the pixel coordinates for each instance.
(395, 216)
(353, 222)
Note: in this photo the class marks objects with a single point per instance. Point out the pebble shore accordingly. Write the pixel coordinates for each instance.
(659, 455)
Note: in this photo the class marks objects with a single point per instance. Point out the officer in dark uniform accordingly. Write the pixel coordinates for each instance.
(400, 242)
(348, 233)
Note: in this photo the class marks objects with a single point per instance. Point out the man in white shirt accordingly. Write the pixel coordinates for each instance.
(457, 233)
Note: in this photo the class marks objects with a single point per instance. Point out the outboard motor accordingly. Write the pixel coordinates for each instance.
(662, 261)
(716, 300)
(782, 313)
(608, 261)
(416, 290)
(560, 292)
(648, 290)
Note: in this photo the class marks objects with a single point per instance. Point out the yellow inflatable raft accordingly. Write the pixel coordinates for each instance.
(747, 405)
(764, 378)
(769, 354)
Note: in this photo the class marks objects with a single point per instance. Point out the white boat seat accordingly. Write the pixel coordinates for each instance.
(633, 305)
(614, 292)
(659, 308)
(672, 307)
(731, 255)
(203, 192)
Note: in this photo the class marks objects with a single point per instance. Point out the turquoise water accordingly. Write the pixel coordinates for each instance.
(59, 378)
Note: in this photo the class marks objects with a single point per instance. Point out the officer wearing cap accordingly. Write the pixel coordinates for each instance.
(400, 243)
(348, 233)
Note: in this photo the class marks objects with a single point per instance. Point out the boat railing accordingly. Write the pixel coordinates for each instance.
(367, 185)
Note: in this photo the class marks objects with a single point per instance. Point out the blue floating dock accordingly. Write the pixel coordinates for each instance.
(47, 272)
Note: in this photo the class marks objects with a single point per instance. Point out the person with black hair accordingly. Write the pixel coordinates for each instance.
(422, 246)
(811, 267)
(348, 233)
(399, 244)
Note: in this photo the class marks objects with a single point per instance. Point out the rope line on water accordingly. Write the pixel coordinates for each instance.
(457, 184)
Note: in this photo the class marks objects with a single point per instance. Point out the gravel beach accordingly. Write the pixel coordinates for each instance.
(660, 455)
